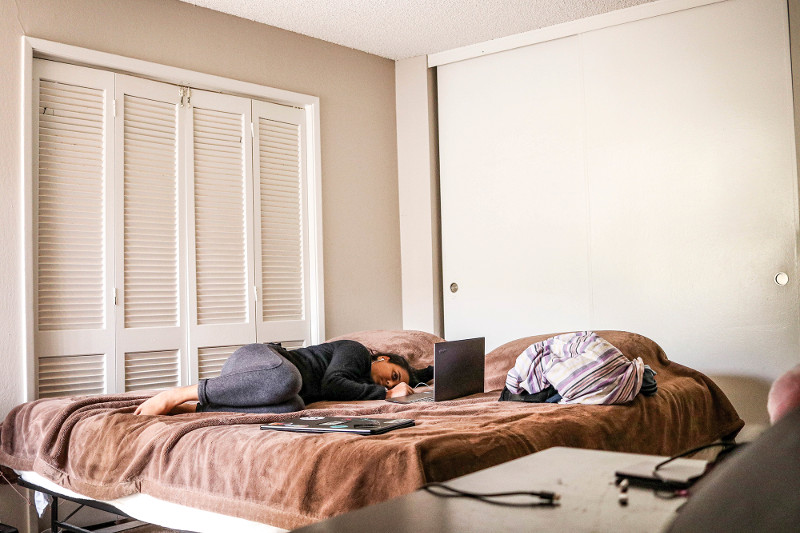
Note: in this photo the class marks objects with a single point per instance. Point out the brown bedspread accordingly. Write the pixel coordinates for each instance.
(225, 463)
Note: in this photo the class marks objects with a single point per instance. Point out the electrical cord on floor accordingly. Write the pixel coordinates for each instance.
(543, 498)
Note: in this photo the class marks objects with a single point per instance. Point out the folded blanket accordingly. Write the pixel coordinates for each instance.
(583, 368)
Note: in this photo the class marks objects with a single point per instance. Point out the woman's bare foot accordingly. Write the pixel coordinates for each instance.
(166, 401)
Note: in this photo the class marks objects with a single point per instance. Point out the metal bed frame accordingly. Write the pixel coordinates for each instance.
(125, 522)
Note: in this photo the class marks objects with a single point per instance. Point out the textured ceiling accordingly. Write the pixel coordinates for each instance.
(398, 29)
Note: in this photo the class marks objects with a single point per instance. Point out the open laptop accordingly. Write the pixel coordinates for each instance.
(457, 371)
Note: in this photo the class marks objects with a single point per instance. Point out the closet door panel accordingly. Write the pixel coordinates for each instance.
(281, 224)
(514, 203)
(73, 209)
(151, 323)
(220, 222)
(692, 179)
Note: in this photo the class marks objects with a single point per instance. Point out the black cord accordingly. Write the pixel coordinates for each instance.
(545, 498)
(726, 444)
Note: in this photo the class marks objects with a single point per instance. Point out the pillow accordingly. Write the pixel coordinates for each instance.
(416, 346)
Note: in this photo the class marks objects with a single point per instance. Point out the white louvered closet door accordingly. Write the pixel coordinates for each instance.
(220, 214)
(281, 234)
(73, 274)
(150, 271)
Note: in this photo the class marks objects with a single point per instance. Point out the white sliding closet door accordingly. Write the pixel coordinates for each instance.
(639, 177)
(220, 206)
(693, 185)
(73, 192)
(514, 199)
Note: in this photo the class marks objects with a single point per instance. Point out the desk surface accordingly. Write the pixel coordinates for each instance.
(583, 478)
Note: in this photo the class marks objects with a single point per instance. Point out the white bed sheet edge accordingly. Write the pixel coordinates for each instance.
(159, 512)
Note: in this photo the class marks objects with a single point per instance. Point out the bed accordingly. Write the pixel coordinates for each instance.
(223, 464)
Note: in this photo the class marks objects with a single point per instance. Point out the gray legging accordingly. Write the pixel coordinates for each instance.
(254, 379)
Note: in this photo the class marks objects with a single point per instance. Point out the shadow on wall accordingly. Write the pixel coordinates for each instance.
(748, 395)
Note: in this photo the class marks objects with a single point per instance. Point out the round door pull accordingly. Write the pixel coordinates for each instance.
(454, 287)
(781, 278)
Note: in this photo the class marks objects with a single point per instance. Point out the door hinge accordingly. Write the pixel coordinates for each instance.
(116, 296)
(186, 96)
(255, 292)
(114, 108)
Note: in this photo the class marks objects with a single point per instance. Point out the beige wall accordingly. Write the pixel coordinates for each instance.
(359, 159)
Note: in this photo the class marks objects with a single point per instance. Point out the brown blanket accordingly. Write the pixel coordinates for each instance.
(225, 463)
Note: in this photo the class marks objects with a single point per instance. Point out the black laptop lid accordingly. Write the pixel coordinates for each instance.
(458, 368)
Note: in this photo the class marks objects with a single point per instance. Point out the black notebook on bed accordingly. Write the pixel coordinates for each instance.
(346, 424)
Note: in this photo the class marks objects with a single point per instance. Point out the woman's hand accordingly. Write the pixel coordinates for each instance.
(401, 389)
(165, 401)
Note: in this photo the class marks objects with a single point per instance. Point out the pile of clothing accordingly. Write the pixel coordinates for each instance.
(580, 368)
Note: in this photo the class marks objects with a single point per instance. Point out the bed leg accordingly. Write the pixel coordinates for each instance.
(54, 516)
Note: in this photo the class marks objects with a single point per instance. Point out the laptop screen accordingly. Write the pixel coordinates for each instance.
(458, 368)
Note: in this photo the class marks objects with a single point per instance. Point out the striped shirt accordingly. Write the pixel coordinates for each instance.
(582, 367)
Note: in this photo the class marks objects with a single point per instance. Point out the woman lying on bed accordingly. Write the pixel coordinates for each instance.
(265, 378)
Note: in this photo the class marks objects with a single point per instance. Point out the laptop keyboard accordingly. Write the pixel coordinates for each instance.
(422, 399)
